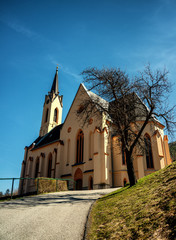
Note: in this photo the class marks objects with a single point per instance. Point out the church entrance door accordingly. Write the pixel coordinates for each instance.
(78, 178)
(79, 184)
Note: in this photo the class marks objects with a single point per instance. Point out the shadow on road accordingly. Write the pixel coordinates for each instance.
(51, 199)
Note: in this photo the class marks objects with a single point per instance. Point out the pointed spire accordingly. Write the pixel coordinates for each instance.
(55, 87)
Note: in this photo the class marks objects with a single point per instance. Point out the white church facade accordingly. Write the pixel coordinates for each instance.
(87, 154)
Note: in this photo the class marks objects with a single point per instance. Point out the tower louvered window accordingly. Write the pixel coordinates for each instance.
(46, 117)
(55, 115)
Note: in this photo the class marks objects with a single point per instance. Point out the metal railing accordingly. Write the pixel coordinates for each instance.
(39, 178)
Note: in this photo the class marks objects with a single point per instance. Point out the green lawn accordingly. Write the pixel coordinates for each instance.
(144, 211)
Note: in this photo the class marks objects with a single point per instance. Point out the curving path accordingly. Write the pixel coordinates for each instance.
(53, 216)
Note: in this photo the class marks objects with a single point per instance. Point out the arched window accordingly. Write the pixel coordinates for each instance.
(49, 165)
(36, 168)
(30, 167)
(148, 151)
(123, 157)
(80, 147)
(46, 117)
(55, 115)
(68, 151)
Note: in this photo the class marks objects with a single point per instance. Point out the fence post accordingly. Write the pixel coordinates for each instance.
(12, 188)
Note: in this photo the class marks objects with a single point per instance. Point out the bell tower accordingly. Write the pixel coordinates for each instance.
(52, 109)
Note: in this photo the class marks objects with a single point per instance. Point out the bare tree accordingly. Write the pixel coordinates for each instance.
(128, 105)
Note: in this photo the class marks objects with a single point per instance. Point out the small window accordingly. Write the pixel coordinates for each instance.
(80, 109)
(69, 130)
(90, 121)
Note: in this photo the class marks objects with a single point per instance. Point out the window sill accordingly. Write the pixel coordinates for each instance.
(77, 164)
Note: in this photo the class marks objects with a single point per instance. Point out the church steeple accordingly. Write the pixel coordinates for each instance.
(55, 85)
(52, 109)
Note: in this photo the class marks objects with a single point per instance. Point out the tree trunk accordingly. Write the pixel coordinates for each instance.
(130, 169)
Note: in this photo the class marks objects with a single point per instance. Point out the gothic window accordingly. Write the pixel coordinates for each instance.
(80, 147)
(56, 115)
(123, 157)
(36, 168)
(46, 117)
(49, 165)
(148, 151)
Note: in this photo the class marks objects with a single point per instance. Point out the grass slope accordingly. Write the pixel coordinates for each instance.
(144, 211)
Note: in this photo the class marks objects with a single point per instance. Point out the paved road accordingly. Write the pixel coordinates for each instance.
(53, 216)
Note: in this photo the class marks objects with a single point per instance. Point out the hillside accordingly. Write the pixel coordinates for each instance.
(172, 147)
(144, 211)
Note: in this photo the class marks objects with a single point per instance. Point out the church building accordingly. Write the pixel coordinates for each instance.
(86, 154)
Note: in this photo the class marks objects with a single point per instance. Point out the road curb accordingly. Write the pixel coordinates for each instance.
(86, 227)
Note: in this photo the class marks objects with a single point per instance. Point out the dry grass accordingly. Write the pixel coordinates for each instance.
(50, 185)
(144, 211)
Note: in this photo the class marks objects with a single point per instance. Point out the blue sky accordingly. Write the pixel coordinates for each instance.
(37, 35)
